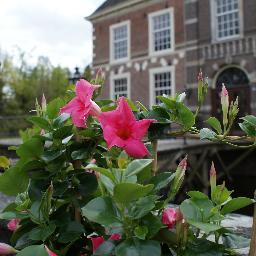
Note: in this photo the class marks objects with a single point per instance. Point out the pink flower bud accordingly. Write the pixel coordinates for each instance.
(212, 170)
(96, 242)
(115, 236)
(169, 217)
(183, 163)
(95, 109)
(225, 105)
(6, 249)
(212, 178)
(13, 224)
(200, 76)
(50, 253)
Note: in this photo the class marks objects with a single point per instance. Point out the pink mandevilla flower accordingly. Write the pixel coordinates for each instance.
(120, 128)
(82, 106)
(50, 253)
(6, 249)
(169, 217)
(13, 224)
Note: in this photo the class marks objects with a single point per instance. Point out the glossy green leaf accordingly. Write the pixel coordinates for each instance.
(161, 180)
(42, 233)
(4, 162)
(101, 210)
(60, 120)
(53, 108)
(40, 122)
(206, 227)
(208, 134)
(235, 241)
(236, 204)
(137, 166)
(215, 124)
(137, 247)
(127, 192)
(141, 232)
(51, 155)
(105, 249)
(101, 170)
(185, 115)
(197, 195)
(33, 250)
(71, 232)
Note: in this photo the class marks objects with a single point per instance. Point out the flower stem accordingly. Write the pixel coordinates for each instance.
(154, 167)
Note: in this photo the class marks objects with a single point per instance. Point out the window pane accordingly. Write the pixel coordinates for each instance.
(161, 32)
(120, 88)
(162, 84)
(120, 42)
(227, 18)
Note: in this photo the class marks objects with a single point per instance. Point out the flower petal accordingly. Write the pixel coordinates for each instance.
(140, 128)
(124, 108)
(73, 105)
(84, 91)
(111, 137)
(96, 242)
(135, 148)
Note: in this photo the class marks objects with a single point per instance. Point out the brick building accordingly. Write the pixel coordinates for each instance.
(153, 47)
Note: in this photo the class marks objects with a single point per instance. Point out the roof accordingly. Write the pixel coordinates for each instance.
(109, 3)
(112, 5)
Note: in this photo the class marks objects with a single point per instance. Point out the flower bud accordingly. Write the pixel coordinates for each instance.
(115, 236)
(225, 105)
(96, 242)
(43, 103)
(212, 178)
(95, 109)
(13, 224)
(169, 217)
(6, 249)
(50, 253)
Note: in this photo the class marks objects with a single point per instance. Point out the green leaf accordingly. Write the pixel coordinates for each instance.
(51, 155)
(100, 210)
(40, 122)
(105, 249)
(141, 232)
(137, 247)
(206, 227)
(137, 166)
(60, 120)
(101, 170)
(142, 207)
(153, 223)
(4, 162)
(127, 192)
(235, 241)
(249, 129)
(88, 183)
(42, 233)
(13, 181)
(208, 134)
(31, 149)
(250, 119)
(63, 132)
(161, 180)
(215, 124)
(185, 115)
(197, 195)
(33, 250)
(220, 194)
(79, 154)
(170, 103)
(236, 204)
(71, 232)
(53, 108)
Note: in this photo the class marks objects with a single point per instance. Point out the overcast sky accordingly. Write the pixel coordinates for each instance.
(53, 28)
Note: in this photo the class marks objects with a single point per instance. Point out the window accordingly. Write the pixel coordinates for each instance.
(161, 82)
(227, 19)
(120, 86)
(120, 42)
(161, 31)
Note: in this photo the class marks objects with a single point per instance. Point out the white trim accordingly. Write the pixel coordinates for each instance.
(154, 71)
(120, 76)
(215, 37)
(150, 32)
(111, 48)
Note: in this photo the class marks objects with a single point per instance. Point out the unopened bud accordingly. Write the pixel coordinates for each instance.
(6, 249)
(212, 178)
(43, 103)
(225, 105)
(200, 76)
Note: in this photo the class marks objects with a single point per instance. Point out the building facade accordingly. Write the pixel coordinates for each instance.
(148, 48)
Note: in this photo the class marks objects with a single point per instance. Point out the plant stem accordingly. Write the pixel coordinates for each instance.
(253, 238)
(154, 167)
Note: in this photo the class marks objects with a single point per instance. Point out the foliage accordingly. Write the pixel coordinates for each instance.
(74, 187)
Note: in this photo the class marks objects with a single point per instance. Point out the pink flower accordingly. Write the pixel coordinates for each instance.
(50, 253)
(82, 106)
(13, 224)
(121, 129)
(96, 242)
(6, 249)
(169, 217)
(115, 236)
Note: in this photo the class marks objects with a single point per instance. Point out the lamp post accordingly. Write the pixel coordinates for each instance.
(75, 76)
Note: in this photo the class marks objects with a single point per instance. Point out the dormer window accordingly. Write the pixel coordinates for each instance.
(120, 42)
(227, 19)
(161, 32)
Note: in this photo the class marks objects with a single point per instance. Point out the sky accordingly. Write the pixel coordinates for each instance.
(53, 28)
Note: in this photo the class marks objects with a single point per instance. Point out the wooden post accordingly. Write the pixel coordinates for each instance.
(253, 237)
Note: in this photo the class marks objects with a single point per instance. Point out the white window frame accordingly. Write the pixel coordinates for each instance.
(111, 41)
(152, 73)
(215, 37)
(114, 77)
(151, 15)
